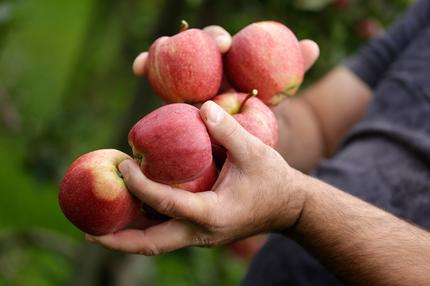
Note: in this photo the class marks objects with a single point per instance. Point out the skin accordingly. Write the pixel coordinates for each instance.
(364, 245)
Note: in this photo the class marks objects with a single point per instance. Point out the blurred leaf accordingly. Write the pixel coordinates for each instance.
(312, 5)
(5, 12)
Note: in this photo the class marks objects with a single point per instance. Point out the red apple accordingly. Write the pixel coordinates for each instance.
(265, 56)
(252, 114)
(369, 28)
(172, 144)
(247, 248)
(202, 183)
(185, 68)
(93, 195)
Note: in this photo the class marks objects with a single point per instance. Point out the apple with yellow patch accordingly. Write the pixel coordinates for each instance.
(265, 56)
(93, 195)
(256, 117)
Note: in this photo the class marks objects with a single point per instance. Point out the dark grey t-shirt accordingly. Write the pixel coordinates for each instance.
(385, 159)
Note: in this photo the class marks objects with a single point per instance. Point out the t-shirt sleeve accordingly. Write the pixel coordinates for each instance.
(374, 59)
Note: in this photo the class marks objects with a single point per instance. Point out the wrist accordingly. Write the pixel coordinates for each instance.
(295, 192)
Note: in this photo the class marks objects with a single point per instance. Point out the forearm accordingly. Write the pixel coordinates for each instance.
(363, 244)
(312, 125)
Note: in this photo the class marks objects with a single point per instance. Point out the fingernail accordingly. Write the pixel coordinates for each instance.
(139, 64)
(90, 238)
(215, 113)
(123, 167)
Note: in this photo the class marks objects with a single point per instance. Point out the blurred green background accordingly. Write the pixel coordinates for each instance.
(66, 88)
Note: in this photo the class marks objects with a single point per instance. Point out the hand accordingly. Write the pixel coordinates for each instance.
(256, 192)
(310, 50)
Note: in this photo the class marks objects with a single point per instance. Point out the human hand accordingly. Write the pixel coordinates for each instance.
(222, 38)
(256, 192)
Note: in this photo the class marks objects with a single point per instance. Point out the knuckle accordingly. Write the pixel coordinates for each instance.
(209, 218)
(150, 251)
(204, 240)
(167, 206)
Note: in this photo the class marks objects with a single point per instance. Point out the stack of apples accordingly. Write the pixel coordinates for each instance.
(171, 144)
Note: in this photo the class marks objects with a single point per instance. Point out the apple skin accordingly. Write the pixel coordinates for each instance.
(172, 144)
(265, 56)
(185, 68)
(203, 183)
(252, 114)
(93, 195)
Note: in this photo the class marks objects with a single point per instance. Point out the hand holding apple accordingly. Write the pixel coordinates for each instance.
(173, 147)
(255, 192)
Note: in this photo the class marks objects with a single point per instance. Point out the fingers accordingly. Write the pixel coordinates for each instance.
(228, 132)
(310, 49)
(221, 37)
(310, 52)
(139, 64)
(161, 238)
(165, 199)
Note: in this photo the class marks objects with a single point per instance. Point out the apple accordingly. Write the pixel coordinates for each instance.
(369, 28)
(265, 56)
(171, 144)
(202, 183)
(93, 195)
(251, 113)
(247, 248)
(184, 68)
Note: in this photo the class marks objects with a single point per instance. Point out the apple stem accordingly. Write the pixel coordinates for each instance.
(184, 26)
(253, 93)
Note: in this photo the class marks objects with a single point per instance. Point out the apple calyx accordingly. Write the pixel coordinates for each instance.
(184, 26)
(253, 93)
(137, 156)
(289, 91)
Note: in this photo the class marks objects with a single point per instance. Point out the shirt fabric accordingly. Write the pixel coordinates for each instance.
(385, 158)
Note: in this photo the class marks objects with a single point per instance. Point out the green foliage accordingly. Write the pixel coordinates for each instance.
(66, 87)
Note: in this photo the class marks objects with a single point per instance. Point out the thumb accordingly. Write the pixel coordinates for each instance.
(227, 131)
(221, 37)
(139, 64)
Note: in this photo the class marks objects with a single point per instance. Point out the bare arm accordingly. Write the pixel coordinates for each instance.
(363, 244)
(312, 125)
